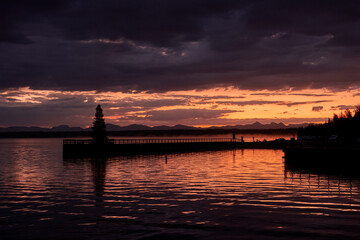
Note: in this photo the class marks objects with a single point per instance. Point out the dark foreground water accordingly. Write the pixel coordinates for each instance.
(208, 195)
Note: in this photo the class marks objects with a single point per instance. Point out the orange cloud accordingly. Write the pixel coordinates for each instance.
(218, 106)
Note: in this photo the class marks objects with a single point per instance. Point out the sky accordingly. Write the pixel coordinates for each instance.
(161, 62)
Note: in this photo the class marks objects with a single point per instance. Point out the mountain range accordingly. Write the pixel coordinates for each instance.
(139, 127)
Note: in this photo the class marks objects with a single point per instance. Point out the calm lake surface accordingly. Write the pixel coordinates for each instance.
(242, 194)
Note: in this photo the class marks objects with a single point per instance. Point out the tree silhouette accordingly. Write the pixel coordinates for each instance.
(357, 113)
(348, 114)
(99, 133)
(346, 126)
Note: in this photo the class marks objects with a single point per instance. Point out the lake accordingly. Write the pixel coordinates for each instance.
(242, 194)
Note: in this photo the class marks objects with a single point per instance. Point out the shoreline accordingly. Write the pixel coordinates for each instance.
(156, 133)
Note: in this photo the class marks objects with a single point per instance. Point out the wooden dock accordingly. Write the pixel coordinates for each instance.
(73, 148)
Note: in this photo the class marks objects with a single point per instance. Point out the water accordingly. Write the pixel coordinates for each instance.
(247, 137)
(242, 194)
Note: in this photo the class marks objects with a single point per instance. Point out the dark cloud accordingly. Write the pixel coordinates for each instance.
(268, 94)
(343, 107)
(317, 108)
(160, 45)
(289, 104)
(146, 103)
(292, 94)
(311, 94)
(245, 103)
(207, 97)
(264, 102)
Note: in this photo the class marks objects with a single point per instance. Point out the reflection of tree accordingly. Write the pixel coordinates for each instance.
(98, 172)
(98, 168)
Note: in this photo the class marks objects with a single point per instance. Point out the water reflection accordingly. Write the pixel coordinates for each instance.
(209, 195)
(98, 170)
(98, 167)
(333, 179)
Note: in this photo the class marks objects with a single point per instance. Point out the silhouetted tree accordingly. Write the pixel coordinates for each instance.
(346, 126)
(99, 133)
(357, 113)
(342, 116)
(348, 114)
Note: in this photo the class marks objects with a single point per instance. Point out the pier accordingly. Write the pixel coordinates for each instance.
(101, 146)
(117, 147)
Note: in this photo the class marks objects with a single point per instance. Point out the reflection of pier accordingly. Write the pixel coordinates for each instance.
(113, 147)
(329, 182)
(315, 175)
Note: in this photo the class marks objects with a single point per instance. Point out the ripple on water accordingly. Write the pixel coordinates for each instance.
(212, 195)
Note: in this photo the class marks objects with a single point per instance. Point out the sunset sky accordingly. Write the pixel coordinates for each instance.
(168, 62)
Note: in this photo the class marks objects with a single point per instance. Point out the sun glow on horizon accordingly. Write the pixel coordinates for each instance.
(211, 107)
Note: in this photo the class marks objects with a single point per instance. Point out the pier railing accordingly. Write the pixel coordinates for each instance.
(148, 141)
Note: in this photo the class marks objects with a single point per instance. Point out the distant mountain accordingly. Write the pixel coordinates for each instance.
(66, 128)
(183, 127)
(139, 127)
(272, 125)
(260, 126)
(255, 125)
(60, 128)
(136, 127)
(298, 125)
(276, 125)
(112, 127)
(24, 129)
(162, 127)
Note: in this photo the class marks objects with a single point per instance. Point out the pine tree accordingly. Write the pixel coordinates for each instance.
(99, 133)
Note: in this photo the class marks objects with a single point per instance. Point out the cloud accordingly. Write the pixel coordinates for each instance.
(183, 114)
(317, 108)
(289, 104)
(88, 51)
(343, 107)
(292, 94)
(161, 45)
(264, 102)
(148, 103)
(311, 94)
(192, 107)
